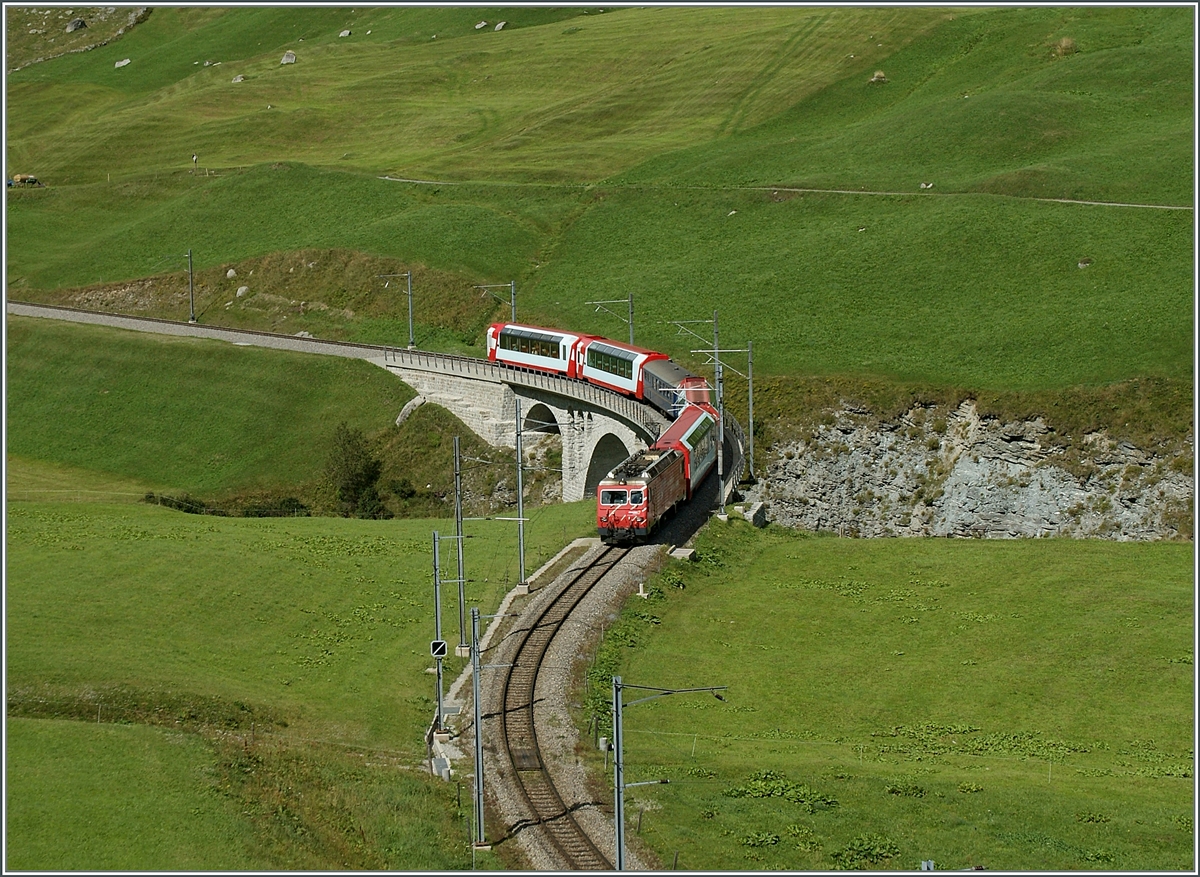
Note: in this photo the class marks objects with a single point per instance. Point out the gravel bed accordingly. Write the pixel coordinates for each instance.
(557, 735)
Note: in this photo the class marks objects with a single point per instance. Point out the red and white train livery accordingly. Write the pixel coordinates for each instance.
(633, 371)
(635, 496)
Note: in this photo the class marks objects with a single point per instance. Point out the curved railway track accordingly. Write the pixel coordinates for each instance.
(519, 734)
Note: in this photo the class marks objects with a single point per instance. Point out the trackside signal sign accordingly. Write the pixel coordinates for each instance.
(437, 648)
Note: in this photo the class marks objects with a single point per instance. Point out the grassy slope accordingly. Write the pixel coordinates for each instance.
(316, 628)
(1077, 651)
(989, 294)
(122, 782)
(184, 414)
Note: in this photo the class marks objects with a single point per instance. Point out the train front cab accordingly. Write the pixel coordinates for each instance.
(622, 514)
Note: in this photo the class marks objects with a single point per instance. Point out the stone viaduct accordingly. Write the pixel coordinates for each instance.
(598, 428)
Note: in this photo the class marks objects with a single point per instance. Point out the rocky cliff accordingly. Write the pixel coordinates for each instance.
(955, 473)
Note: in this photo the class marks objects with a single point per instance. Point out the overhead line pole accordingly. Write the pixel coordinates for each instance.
(512, 285)
(191, 291)
(600, 306)
(411, 340)
(458, 529)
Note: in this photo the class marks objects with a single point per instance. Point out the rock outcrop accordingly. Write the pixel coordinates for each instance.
(966, 475)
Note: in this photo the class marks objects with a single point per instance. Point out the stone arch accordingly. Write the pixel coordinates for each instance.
(608, 452)
(540, 418)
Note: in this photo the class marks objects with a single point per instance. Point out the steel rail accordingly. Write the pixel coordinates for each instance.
(519, 732)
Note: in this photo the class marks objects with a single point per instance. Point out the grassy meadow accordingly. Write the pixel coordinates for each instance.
(1021, 705)
(259, 685)
(656, 158)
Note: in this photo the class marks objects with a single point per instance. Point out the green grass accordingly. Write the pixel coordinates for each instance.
(614, 173)
(1056, 676)
(184, 414)
(128, 797)
(314, 629)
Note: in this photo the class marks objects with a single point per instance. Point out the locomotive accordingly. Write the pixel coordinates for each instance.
(638, 494)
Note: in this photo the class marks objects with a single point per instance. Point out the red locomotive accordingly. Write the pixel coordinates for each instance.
(635, 496)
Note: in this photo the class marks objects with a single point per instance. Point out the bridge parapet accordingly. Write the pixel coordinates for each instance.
(645, 420)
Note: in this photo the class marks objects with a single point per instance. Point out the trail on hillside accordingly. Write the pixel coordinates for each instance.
(875, 192)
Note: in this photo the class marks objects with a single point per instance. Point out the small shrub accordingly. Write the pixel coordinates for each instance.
(906, 790)
(760, 839)
(865, 851)
(968, 788)
(1091, 817)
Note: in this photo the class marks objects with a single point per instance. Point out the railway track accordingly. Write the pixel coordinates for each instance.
(543, 804)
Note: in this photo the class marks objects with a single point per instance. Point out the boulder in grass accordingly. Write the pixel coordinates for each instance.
(289, 57)
(76, 24)
(239, 78)
(344, 33)
(121, 63)
(501, 25)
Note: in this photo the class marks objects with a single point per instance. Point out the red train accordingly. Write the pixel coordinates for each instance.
(635, 497)
(633, 371)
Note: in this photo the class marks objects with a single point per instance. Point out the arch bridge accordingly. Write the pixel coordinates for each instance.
(598, 428)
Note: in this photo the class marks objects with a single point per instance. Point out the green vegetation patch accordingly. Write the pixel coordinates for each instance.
(1011, 704)
(187, 414)
(289, 656)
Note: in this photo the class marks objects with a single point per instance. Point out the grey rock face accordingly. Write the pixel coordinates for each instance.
(76, 24)
(963, 475)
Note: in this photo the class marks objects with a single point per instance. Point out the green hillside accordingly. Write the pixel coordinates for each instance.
(586, 155)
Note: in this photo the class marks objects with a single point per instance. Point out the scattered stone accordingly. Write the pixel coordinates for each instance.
(230, 274)
(501, 25)
(76, 24)
(289, 57)
(346, 33)
(481, 24)
(239, 78)
(926, 185)
(878, 77)
(121, 63)
(242, 290)
(303, 335)
(412, 405)
(1083, 263)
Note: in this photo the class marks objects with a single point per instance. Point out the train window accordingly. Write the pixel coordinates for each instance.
(636, 497)
(613, 497)
(608, 362)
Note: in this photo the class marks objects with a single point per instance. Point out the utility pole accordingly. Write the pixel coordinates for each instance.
(600, 306)
(191, 291)
(520, 496)
(411, 339)
(512, 287)
(750, 372)
(458, 530)
(437, 623)
(720, 376)
(479, 837)
(619, 783)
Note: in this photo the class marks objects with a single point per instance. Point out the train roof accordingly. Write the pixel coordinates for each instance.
(534, 331)
(688, 418)
(641, 464)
